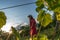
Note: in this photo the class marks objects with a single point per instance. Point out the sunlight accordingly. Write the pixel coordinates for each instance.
(7, 27)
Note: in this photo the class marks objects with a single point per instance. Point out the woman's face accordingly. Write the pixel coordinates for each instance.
(29, 18)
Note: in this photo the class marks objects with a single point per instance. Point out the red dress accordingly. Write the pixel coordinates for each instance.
(33, 30)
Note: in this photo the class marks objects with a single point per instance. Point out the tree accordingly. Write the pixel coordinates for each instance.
(45, 18)
(24, 30)
(53, 5)
(2, 19)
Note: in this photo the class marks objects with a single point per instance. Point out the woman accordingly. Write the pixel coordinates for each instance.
(32, 26)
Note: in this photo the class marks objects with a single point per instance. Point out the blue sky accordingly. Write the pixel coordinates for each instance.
(19, 14)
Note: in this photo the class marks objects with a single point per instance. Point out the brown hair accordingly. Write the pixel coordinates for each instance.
(30, 16)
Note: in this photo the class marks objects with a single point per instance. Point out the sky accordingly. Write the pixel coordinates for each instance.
(19, 14)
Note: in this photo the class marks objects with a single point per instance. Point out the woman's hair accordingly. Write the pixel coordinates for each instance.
(30, 16)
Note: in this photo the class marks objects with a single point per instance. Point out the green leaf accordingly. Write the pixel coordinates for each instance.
(16, 33)
(39, 8)
(57, 10)
(40, 16)
(39, 3)
(52, 4)
(43, 37)
(44, 18)
(2, 19)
